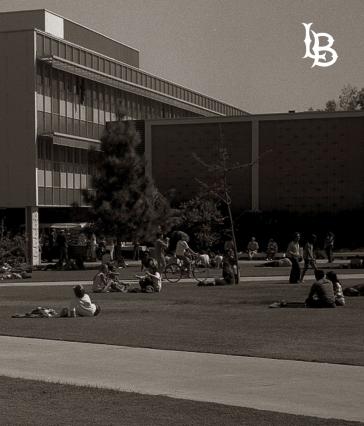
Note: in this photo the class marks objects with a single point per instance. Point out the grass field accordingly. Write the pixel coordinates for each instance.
(27, 402)
(228, 320)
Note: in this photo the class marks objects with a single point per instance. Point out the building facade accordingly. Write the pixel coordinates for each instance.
(60, 83)
(297, 162)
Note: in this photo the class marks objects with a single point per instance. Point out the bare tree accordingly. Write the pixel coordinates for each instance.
(221, 169)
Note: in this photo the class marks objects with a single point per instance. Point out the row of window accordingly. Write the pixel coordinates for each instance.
(47, 46)
(60, 197)
(77, 98)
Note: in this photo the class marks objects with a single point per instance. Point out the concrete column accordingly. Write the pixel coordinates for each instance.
(148, 148)
(255, 166)
(32, 235)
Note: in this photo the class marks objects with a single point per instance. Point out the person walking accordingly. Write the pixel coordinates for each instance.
(309, 255)
(329, 246)
(62, 247)
(293, 254)
(160, 246)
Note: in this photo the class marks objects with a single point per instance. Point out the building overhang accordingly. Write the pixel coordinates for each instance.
(71, 141)
(127, 86)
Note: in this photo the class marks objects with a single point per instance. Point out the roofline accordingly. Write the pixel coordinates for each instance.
(140, 70)
(257, 117)
(74, 22)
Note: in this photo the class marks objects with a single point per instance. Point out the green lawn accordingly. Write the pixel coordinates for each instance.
(228, 320)
(27, 402)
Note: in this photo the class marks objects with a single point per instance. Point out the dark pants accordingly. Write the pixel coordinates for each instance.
(313, 303)
(295, 271)
(329, 253)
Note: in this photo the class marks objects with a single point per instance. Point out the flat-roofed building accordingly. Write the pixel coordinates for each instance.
(59, 83)
(309, 162)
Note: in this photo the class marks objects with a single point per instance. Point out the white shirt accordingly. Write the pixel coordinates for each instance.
(181, 247)
(84, 307)
(157, 281)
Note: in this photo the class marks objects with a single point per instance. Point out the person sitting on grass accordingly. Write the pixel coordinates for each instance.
(228, 275)
(103, 281)
(151, 282)
(338, 291)
(82, 306)
(322, 292)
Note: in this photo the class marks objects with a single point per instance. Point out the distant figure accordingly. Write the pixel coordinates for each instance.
(160, 247)
(253, 248)
(338, 291)
(293, 254)
(322, 292)
(329, 246)
(93, 248)
(184, 252)
(118, 254)
(272, 249)
(309, 255)
(228, 245)
(62, 244)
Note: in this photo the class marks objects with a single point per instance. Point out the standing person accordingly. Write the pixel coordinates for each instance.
(322, 292)
(294, 255)
(118, 254)
(228, 245)
(272, 249)
(253, 248)
(93, 247)
(338, 290)
(309, 255)
(160, 247)
(62, 247)
(329, 246)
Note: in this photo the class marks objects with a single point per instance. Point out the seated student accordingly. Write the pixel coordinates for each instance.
(228, 274)
(322, 292)
(338, 291)
(101, 282)
(82, 305)
(151, 282)
(252, 248)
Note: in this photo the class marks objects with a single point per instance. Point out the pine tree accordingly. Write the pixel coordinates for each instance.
(124, 204)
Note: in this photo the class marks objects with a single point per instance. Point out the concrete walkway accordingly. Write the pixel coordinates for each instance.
(273, 278)
(311, 389)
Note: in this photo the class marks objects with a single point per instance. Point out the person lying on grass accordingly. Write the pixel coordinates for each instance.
(81, 306)
(103, 281)
(151, 282)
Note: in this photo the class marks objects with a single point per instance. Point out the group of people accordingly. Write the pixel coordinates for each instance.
(295, 255)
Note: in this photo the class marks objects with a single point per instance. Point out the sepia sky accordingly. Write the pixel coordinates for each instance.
(245, 52)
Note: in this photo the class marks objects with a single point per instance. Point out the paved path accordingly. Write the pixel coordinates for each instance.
(311, 389)
(273, 278)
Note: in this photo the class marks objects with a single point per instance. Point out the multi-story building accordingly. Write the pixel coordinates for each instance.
(59, 83)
